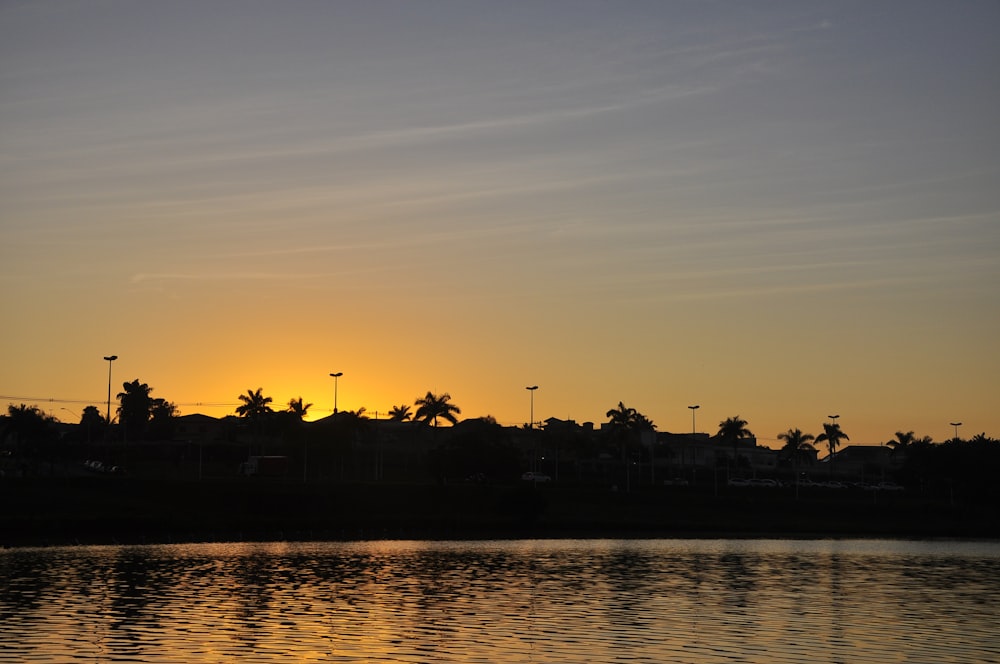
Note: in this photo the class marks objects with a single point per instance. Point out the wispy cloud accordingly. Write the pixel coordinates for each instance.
(502, 123)
(691, 291)
(147, 277)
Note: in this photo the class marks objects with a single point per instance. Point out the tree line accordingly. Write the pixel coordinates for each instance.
(29, 431)
(141, 416)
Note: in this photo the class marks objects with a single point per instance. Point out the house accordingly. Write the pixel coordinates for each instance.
(865, 463)
(198, 428)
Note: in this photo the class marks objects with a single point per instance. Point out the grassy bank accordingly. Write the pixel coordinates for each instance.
(38, 511)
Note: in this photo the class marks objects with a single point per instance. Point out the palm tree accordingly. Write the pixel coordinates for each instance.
(432, 406)
(796, 444)
(255, 408)
(832, 435)
(298, 409)
(733, 430)
(135, 409)
(621, 417)
(400, 413)
(255, 405)
(625, 424)
(902, 442)
(621, 420)
(643, 423)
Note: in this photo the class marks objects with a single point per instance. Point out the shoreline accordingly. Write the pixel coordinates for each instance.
(94, 511)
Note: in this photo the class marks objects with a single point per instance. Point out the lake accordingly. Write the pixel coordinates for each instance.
(505, 601)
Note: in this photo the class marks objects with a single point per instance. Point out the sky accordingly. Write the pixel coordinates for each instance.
(774, 210)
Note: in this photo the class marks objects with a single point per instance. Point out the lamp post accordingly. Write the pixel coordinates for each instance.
(110, 359)
(531, 426)
(694, 466)
(956, 425)
(834, 418)
(335, 376)
(531, 418)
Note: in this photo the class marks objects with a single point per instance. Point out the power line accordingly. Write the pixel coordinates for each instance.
(208, 404)
(53, 399)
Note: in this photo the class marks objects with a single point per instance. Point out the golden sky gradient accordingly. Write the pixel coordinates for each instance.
(781, 212)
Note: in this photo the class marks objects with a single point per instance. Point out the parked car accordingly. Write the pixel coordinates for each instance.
(531, 476)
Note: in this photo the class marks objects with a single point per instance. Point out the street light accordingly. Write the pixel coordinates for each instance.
(956, 425)
(834, 418)
(110, 359)
(335, 376)
(531, 420)
(693, 409)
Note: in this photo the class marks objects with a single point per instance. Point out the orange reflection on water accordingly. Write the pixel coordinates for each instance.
(539, 601)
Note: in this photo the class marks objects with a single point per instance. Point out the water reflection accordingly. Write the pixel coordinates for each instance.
(524, 601)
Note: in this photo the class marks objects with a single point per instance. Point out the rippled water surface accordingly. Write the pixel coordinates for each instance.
(510, 601)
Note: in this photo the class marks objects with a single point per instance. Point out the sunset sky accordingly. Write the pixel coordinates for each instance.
(778, 210)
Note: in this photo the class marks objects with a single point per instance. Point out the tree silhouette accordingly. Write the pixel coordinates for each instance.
(162, 415)
(91, 422)
(625, 419)
(433, 406)
(732, 431)
(29, 431)
(400, 413)
(255, 408)
(92, 417)
(141, 414)
(626, 423)
(27, 425)
(903, 442)
(255, 405)
(832, 435)
(621, 417)
(643, 423)
(135, 408)
(298, 409)
(796, 445)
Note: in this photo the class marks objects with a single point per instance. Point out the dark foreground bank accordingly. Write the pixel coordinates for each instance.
(51, 511)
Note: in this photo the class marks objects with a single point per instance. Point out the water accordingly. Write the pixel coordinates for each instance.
(511, 601)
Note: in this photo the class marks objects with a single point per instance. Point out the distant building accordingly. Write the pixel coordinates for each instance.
(198, 428)
(864, 462)
(684, 452)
